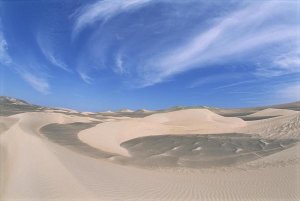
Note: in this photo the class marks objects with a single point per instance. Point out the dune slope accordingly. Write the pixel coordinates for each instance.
(37, 165)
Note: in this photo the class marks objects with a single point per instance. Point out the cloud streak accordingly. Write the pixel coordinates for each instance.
(119, 69)
(49, 54)
(236, 84)
(238, 33)
(37, 83)
(5, 59)
(216, 79)
(197, 45)
(290, 92)
(87, 79)
(290, 61)
(103, 10)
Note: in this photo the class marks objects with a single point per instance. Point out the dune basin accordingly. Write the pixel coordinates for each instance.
(183, 154)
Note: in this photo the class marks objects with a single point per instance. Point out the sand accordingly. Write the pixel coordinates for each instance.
(53, 156)
(273, 112)
(198, 151)
(190, 121)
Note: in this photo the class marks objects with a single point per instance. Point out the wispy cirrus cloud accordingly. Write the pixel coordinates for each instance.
(119, 68)
(236, 34)
(282, 64)
(4, 56)
(5, 59)
(277, 92)
(85, 77)
(234, 84)
(290, 92)
(200, 51)
(289, 61)
(38, 83)
(49, 54)
(103, 10)
(217, 79)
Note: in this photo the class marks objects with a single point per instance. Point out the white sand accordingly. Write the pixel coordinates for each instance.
(108, 136)
(144, 111)
(35, 169)
(88, 113)
(273, 112)
(285, 126)
(29, 170)
(125, 110)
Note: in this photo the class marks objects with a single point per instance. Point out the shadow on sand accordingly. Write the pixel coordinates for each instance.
(194, 151)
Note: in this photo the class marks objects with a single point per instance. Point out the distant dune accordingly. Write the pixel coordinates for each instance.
(273, 112)
(182, 153)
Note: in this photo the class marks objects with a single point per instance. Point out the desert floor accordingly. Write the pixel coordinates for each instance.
(186, 154)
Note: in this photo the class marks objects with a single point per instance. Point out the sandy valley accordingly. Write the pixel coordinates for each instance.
(183, 153)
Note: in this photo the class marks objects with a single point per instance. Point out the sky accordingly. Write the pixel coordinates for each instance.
(96, 55)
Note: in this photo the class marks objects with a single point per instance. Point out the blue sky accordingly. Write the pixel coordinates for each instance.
(110, 54)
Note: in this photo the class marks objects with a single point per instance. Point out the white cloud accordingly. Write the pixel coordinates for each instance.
(103, 10)
(289, 62)
(57, 62)
(216, 78)
(281, 65)
(238, 33)
(87, 79)
(236, 84)
(289, 93)
(49, 54)
(37, 83)
(119, 64)
(4, 56)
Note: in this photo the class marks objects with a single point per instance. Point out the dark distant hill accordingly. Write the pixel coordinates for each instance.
(11, 106)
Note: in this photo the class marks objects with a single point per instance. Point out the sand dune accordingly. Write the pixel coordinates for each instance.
(144, 111)
(278, 127)
(30, 170)
(6, 123)
(273, 112)
(179, 155)
(191, 121)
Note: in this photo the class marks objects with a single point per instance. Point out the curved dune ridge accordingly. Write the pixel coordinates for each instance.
(190, 121)
(56, 156)
(273, 112)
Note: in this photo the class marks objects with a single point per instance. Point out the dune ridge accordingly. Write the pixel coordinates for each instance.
(35, 167)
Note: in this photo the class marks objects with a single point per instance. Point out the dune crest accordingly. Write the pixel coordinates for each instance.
(187, 154)
(190, 121)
